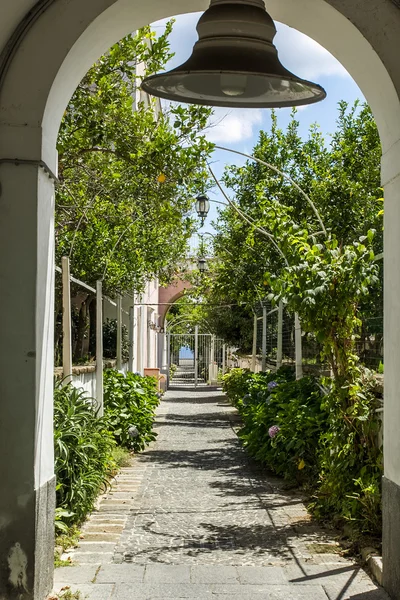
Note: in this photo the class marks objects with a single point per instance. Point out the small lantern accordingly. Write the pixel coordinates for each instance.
(202, 264)
(202, 207)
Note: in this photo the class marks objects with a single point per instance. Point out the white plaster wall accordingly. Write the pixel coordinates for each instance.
(86, 382)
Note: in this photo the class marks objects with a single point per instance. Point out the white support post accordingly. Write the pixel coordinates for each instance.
(212, 361)
(168, 358)
(119, 332)
(298, 347)
(131, 338)
(264, 340)
(196, 355)
(66, 320)
(254, 352)
(99, 348)
(223, 359)
(279, 353)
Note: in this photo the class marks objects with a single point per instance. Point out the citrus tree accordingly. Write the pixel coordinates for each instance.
(128, 174)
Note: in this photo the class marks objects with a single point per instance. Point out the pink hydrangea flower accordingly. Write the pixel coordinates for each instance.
(273, 431)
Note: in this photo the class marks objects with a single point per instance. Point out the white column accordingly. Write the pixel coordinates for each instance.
(131, 338)
(298, 347)
(99, 348)
(391, 438)
(280, 336)
(66, 320)
(223, 359)
(168, 357)
(149, 314)
(119, 332)
(264, 340)
(27, 496)
(254, 352)
(212, 376)
(139, 345)
(164, 351)
(196, 355)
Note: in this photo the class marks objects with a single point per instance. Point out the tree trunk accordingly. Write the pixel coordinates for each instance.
(82, 329)
(92, 326)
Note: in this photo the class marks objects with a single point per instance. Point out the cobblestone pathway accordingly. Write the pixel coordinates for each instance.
(194, 518)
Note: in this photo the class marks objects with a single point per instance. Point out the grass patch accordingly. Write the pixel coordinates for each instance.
(121, 457)
(67, 594)
(70, 539)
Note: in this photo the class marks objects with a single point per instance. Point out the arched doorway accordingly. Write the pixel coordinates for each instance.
(51, 48)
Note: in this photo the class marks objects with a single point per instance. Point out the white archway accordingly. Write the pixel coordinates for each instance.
(39, 73)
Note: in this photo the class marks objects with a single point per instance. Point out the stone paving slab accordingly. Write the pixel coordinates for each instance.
(76, 574)
(93, 592)
(121, 574)
(193, 517)
(148, 592)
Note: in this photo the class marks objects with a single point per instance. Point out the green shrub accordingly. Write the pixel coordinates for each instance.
(317, 439)
(351, 459)
(235, 384)
(294, 409)
(83, 449)
(130, 402)
(239, 382)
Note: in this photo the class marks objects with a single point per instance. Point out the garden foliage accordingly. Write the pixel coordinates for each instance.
(83, 451)
(302, 431)
(85, 457)
(130, 402)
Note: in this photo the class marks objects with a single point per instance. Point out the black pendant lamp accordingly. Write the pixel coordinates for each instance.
(234, 63)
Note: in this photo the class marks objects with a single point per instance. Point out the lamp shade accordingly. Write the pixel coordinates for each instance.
(234, 63)
(202, 206)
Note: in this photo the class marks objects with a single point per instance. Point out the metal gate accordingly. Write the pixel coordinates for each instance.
(195, 360)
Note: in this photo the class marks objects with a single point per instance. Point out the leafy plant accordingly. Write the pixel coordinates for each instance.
(283, 422)
(309, 434)
(129, 408)
(59, 520)
(351, 460)
(83, 449)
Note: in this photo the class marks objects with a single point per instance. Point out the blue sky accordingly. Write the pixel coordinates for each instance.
(238, 128)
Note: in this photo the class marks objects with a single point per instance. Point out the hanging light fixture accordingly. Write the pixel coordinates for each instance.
(202, 207)
(234, 63)
(202, 264)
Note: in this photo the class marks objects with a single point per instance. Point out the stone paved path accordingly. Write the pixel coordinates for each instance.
(194, 518)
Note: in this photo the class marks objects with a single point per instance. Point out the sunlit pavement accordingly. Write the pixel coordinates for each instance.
(194, 517)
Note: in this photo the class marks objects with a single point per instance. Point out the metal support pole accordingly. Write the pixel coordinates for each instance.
(298, 347)
(131, 337)
(223, 359)
(196, 355)
(279, 352)
(254, 352)
(264, 340)
(99, 348)
(66, 320)
(119, 332)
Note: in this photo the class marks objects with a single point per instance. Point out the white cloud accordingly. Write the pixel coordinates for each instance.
(304, 56)
(234, 125)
